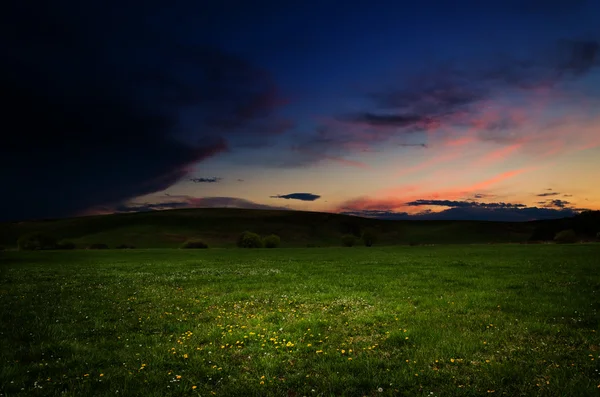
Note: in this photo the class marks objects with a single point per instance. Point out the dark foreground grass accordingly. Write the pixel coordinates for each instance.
(462, 320)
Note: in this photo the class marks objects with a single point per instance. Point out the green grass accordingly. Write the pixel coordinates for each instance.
(221, 227)
(442, 320)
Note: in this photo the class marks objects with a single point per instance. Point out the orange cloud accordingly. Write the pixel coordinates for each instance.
(397, 198)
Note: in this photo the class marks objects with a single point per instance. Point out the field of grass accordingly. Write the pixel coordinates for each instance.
(429, 320)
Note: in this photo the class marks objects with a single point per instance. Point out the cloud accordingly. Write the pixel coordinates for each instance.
(184, 201)
(462, 204)
(501, 214)
(558, 203)
(212, 179)
(102, 108)
(298, 196)
(423, 145)
(548, 194)
(502, 99)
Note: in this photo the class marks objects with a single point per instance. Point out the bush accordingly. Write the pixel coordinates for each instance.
(125, 246)
(194, 243)
(598, 236)
(566, 237)
(65, 245)
(249, 240)
(369, 237)
(97, 246)
(272, 241)
(36, 241)
(348, 240)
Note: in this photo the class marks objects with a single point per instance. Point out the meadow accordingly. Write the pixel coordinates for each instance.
(463, 320)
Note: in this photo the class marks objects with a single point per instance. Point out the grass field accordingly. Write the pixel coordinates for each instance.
(428, 320)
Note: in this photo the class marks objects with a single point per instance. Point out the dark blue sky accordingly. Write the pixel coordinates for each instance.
(367, 106)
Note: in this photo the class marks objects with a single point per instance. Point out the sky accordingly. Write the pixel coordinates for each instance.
(425, 109)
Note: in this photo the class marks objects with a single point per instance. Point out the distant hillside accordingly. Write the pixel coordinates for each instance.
(586, 225)
(220, 228)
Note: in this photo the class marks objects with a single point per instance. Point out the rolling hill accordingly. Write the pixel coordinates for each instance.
(220, 228)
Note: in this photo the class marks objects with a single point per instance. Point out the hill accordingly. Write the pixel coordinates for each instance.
(220, 228)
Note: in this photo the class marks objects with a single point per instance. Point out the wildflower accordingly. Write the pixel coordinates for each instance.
(309, 345)
(262, 382)
(349, 358)
(178, 376)
(319, 351)
(194, 387)
(185, 356)
(451, 360)
(380, 390)
(343, 351)
(101, 374)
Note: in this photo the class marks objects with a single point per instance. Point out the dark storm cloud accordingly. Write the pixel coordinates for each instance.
(298, 196)
(212, 179)
(101, 107)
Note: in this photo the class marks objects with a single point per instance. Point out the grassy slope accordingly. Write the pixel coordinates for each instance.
(447, 320)
(220, 227)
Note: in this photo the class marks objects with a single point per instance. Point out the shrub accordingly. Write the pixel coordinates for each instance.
(65, 245)
(348, 240)
(598, 235)
(566, 237)
(369, 237)
(97, 246)
(272, 241)
(36, 241)
(249, 240)
(125, 246)
(194, 243)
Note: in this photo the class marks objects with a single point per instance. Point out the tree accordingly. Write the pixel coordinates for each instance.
(272, 241)
(566, 237)
(65, 245)
(97, 246)
(348, 240)
(369, 237)
(249, 240)
(36, 241)
(194, 243)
